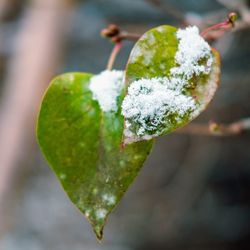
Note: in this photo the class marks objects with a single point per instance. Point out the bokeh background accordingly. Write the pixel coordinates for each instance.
(194, 190)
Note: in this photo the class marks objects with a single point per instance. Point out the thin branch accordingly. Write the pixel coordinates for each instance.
(214, 32)
(215, 129)
(240, 7)
(113, 55)
(116, 35)
(129, 36)
(220, 28)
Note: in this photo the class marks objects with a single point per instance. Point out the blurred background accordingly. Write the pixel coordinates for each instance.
(194, 190)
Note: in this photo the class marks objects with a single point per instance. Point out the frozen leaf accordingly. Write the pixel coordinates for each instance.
(171, 75)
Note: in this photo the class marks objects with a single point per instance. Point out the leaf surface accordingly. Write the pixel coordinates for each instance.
(153, 56)
(83, 147)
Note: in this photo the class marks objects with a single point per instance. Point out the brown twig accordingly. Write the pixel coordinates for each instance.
(116, 35)
(129, 36)
(215, 129)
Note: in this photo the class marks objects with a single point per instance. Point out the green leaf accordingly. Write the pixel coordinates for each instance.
(153, 56)
(83, 147)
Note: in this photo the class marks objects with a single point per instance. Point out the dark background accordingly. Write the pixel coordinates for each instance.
(194, 190)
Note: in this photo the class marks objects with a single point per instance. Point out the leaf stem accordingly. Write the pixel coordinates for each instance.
(114, 33)
(223, 26)
(113, 55)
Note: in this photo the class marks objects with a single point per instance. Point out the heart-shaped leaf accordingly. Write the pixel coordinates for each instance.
(83, 147)
(171, 75)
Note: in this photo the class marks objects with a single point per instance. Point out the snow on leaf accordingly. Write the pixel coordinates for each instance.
(149, 101)
(166, 93)
(192, 49)
(106, 87)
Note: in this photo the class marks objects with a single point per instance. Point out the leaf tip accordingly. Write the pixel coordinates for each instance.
(98, 232)
(98, 222)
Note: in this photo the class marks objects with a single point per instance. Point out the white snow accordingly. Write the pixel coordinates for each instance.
(106, 87)
(150, 101)
(191, 49)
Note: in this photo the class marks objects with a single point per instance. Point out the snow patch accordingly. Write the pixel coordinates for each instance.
(106, 87)
(149, 100)
(191, 49)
